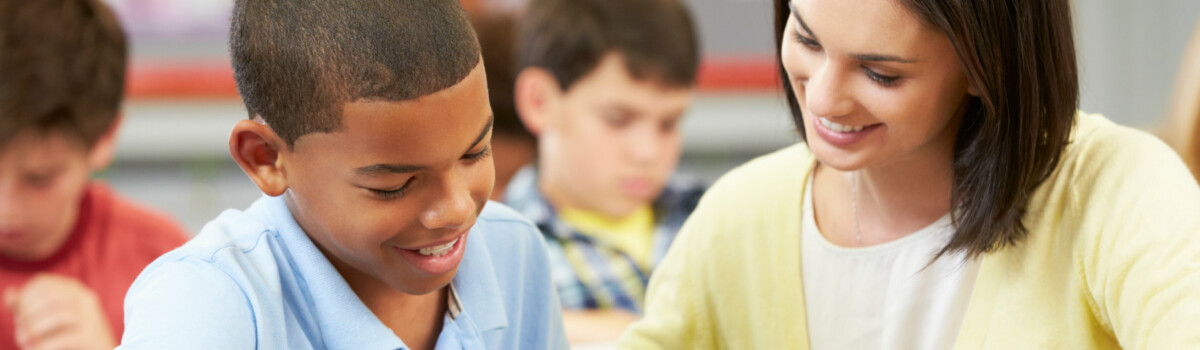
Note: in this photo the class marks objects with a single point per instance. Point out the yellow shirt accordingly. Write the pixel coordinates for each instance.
(632, 235)
(1112, 259)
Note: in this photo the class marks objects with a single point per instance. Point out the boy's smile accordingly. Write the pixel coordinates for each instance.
(391, 196)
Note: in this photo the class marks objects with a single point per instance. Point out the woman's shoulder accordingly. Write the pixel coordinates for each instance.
(756, 195)
(1111, 173)
(765, 176)
(1104, 153)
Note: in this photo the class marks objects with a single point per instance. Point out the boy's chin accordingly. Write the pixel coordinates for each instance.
(425, 285)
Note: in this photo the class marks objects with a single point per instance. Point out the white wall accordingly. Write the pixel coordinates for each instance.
(1129, 53)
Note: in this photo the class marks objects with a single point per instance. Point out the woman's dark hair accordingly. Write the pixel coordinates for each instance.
(1019, 55)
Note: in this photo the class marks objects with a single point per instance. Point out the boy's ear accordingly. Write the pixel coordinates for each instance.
(255, 147)
(100, 156)
(536, 94)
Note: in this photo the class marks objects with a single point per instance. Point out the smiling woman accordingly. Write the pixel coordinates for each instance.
(945, 189)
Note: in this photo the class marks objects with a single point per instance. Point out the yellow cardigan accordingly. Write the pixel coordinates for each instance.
(1112, 259)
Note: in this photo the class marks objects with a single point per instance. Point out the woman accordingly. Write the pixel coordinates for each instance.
(947, 195)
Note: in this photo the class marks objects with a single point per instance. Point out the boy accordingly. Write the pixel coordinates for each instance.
(69, 246)
(603, 86)
(369, 135)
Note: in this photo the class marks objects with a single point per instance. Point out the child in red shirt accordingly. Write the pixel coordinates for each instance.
(69, 247)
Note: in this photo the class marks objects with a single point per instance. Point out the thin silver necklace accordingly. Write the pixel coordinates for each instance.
(854, 207)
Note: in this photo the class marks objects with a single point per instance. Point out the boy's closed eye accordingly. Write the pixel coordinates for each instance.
(399, 192)
(41, 178)
(617, 118)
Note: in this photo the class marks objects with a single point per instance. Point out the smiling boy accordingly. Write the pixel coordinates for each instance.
(369, 134)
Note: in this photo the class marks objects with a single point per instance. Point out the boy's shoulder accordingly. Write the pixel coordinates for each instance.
(228, 243)
(501, 226)
(223, 281)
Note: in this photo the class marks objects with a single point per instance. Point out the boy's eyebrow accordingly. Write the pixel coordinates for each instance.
(861, 57)
(378, 169)
(482, 134)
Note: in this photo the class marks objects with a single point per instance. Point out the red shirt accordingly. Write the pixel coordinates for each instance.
(112, 242)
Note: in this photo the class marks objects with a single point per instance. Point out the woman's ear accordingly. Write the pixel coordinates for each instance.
(100, 156)
(256, 148)
(536, 93)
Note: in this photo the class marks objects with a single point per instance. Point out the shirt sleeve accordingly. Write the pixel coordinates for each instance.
(187, 304)
(674, 316)
(1141, 262)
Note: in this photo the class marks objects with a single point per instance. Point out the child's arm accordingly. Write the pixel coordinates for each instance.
(58, 312)
(190, 304)
(596, 326)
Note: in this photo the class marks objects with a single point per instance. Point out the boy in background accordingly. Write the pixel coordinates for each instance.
(513, 147)
(69, 246)
(369, 133)
(603, 85)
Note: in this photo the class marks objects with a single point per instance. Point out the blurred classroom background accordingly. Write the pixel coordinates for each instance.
(182, 101)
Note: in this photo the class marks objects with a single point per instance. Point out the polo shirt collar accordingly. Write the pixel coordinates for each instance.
(477, 287)
(344, 321)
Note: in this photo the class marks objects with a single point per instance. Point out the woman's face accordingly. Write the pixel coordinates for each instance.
(875, 84)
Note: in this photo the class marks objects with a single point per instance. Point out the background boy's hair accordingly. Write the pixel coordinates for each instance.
(569, 37)
(298, 62)
(497, 33)
(62, 68)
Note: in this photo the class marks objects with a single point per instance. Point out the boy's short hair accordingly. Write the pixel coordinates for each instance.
(62, 68)
(298, 62)
(570, 37)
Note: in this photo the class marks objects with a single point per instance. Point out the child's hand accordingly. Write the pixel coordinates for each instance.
(56, 312)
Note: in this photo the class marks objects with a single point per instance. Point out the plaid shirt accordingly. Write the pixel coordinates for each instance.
(592, 274)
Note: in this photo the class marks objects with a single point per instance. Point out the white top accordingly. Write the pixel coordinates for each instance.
(883, 297)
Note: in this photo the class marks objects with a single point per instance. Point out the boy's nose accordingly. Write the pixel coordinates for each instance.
(9, 208)
(644, 145)
(450, 212)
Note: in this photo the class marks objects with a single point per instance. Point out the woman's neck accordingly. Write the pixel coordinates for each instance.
(883, 203)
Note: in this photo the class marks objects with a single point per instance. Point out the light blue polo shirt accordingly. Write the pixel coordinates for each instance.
(254, 280)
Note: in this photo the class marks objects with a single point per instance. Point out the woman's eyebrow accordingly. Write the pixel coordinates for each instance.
(868, 57)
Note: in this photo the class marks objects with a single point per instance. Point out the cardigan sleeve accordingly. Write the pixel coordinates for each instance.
(675, 316)
(1139, 212)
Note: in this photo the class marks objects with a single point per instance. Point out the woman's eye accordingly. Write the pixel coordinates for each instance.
(885, 80)
(486, 151)
(806, 41)
(810, 43)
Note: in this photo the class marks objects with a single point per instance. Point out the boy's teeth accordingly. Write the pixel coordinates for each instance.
(839, 127)
(438, 250)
